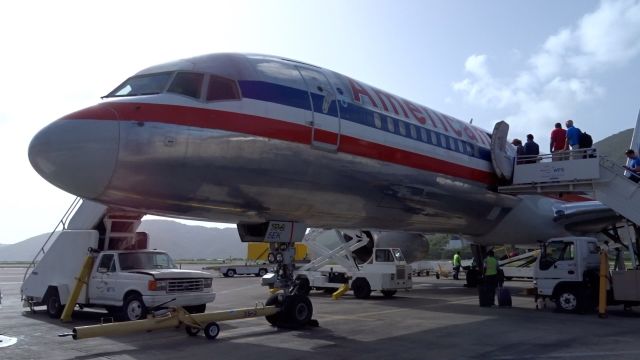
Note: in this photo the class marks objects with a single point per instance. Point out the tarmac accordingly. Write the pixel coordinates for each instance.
(437, 319)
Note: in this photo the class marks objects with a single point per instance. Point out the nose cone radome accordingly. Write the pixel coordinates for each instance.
(78, 156)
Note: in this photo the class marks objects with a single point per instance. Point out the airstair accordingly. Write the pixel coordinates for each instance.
(578, 171)
(341, 255)
(117, 229)
(80, 215)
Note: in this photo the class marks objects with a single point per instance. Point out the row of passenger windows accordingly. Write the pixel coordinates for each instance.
(184, 83)
(402, 128)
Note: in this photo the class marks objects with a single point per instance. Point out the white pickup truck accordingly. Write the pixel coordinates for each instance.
(126, 283)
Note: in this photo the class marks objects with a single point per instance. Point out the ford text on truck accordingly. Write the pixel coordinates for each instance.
(127, 283)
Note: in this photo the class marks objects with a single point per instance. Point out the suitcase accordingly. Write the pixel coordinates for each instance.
(504, 297)
(485, 296)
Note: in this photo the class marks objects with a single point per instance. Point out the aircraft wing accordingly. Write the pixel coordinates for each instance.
(585, 216)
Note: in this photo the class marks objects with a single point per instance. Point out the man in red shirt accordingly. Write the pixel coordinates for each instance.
(558, 142)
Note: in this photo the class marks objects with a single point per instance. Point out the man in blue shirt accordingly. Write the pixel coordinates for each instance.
(573, 138)
(634, 165)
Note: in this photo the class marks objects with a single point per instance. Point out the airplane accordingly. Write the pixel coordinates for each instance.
(249, 139)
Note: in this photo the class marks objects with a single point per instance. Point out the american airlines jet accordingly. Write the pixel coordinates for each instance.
(246, 139)
(262, 141)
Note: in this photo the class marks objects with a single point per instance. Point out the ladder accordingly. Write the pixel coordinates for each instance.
(579, 171)
(341, 255)
(81, 215)
(62, 223)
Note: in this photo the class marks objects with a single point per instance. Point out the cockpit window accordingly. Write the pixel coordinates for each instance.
(187, 83)
(147, 84)
(222, 89)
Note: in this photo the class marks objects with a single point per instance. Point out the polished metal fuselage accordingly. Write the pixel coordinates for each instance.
(214, 173)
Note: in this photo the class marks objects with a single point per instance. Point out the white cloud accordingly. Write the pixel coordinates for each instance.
(556, 79)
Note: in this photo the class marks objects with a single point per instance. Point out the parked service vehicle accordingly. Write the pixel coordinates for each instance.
(567, 271)
(386, 271)
(233, 270)
(127, 283)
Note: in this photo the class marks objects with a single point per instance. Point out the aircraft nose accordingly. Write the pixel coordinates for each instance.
(78, 156)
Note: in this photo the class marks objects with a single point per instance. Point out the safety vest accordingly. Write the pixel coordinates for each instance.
(456, 260)
(491, 266)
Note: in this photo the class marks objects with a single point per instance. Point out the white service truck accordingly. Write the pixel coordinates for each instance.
(386, 271)
(233, 270)
(125, 282)
(567, 272)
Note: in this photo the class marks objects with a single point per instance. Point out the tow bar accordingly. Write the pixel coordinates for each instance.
(173, 318)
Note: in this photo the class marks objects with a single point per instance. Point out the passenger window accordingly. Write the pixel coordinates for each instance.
(187, 83)
(412, 130)
(222, 89)
(423, 134)
(390, 124)
(377, 120)
(401, 128)
(107, 264)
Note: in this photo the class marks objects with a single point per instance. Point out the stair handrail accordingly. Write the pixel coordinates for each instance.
(63, 222)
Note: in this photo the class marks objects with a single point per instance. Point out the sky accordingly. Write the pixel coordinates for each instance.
(531, 62)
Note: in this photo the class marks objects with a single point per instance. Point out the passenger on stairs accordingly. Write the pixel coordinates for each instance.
(558, 143)
(531, 150)
(634, 165)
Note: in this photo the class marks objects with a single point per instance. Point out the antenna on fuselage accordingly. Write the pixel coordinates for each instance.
(471, 121)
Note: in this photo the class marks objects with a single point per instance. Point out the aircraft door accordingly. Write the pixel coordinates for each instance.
(502, 153)
(326, 120)
(100, 284)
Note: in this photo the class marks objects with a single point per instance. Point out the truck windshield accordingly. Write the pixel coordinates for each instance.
(147, 84)
(554, 252)
(145, 260)
(398, 254)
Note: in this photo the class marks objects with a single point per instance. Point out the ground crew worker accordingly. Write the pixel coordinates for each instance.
(491, 274)
(457, 263)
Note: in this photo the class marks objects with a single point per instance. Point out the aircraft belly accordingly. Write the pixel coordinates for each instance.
(228, 177)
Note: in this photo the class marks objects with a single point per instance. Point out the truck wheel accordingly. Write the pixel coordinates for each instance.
(230, 273)
(133, 308)
(261, 272)
(54, 307)
(388, 293)
(212, 330)
(196, 309)
(569, 300)
(361, 288)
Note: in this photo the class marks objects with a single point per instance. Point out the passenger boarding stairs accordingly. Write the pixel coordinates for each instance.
(578, 171)
(341, 255)
(117, 229)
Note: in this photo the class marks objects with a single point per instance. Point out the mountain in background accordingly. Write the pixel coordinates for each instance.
(615, 145)
(179, 240)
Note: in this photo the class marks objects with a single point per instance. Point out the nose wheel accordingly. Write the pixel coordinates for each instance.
(296, 311)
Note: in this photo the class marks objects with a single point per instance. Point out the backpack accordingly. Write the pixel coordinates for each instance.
(585, 141)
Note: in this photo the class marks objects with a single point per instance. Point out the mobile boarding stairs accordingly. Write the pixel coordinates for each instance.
(578, 171)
